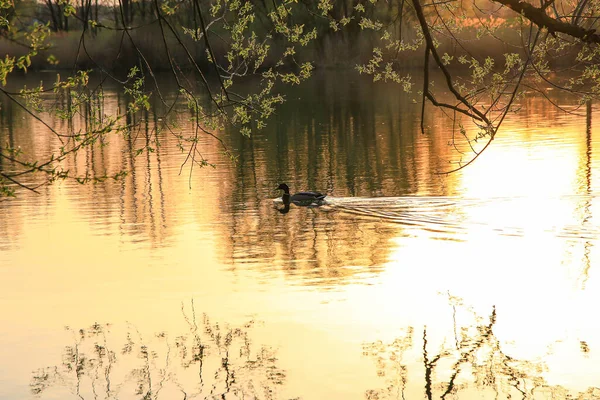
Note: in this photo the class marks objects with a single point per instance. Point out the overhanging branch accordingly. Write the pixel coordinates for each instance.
(430, 49)
(539, 17)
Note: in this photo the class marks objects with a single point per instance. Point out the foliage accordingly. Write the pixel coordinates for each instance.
(247, 47)
(537, 42)
(212, 47)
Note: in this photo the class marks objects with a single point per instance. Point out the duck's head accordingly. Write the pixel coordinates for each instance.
(284, 187)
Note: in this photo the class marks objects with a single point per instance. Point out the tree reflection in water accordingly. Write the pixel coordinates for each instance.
(208, 361)
(474, 365)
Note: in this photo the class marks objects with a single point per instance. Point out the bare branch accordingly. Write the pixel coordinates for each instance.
(539, 17)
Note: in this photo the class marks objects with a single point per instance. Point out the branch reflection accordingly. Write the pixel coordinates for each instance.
(475, 363)
(208, 361)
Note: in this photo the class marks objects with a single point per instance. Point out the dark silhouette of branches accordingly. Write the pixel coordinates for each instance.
(474, 360)
(538, 16)
(228, 364)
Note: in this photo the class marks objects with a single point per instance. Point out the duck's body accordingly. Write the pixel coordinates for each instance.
(301, 197)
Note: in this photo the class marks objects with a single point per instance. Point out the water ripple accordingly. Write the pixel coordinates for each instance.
(455, 216)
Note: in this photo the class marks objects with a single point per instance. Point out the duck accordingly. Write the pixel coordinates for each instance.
(301, 197)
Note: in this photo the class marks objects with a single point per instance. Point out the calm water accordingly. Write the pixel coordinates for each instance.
(407, 284)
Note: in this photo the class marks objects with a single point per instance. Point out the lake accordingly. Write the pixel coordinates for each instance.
(407, 283)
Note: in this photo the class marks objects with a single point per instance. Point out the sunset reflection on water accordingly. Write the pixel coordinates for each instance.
(361, 294)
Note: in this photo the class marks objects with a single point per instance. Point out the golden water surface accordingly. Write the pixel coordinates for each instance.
(407, 284)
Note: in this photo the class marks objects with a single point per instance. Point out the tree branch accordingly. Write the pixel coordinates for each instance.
(472, 111)
(539, 17)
